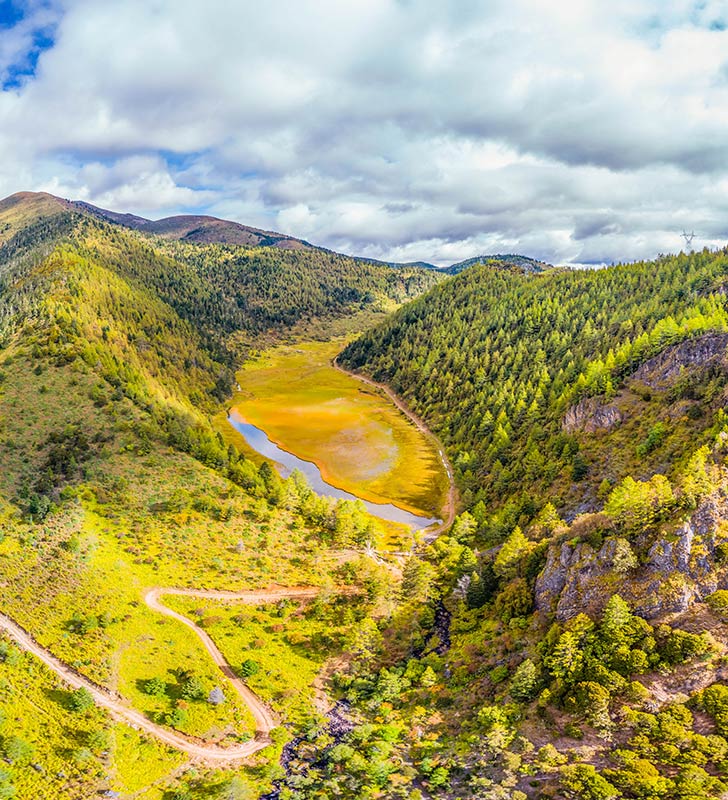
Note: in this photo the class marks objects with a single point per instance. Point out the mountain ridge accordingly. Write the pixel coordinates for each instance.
(206, 229)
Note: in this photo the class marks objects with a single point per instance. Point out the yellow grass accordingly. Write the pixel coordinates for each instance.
(353, 433)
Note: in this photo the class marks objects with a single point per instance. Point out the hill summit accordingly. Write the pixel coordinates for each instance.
(186, 227)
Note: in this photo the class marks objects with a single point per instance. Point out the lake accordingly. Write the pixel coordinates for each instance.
(287, 462)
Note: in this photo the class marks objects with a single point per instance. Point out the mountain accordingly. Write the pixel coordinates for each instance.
(524, 263)
(210, 230)
(117, 351)
(196, 228)
(190, 228)
(584, 412)
(565, 638)
(224, 288)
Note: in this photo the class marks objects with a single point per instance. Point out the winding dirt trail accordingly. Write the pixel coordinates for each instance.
(448, 510)
(121, 711)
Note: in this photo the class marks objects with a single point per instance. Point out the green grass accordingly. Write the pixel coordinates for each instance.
(73, 755)
(289, 642)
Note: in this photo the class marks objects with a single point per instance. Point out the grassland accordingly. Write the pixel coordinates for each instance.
(141, 517)
(359, 441)
(52, 750)
(287, 642)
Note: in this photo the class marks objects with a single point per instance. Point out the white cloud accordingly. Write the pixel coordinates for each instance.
(578, 131)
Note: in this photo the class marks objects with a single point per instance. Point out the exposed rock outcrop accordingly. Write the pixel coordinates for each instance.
(679, 568)
(591, 415)
(663, 369)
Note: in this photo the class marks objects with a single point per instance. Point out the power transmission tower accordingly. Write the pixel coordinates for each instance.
(688, 239)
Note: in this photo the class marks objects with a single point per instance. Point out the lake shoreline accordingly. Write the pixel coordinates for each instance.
(416, 521)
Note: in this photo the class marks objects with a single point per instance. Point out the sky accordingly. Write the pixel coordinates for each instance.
(575, 131)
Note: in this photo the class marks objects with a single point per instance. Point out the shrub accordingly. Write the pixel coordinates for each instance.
(249, 668)
(498, 674)
(680, 645)
(514, 601)
(718, 602)
(17, 750)
(714, 701)
(81, 700)
(155, 687)
(193, 688)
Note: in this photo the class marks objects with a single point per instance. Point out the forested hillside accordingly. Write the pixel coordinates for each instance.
(115, 352)
(524, 263)
(494, 358)
(584, 589)
(219, 288)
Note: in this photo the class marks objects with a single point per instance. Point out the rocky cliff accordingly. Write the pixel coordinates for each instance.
(657, 574)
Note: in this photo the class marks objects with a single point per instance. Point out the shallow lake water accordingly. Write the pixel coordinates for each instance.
(287, 462)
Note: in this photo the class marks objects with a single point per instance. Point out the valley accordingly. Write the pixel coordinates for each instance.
(536, 607)
(356, 436)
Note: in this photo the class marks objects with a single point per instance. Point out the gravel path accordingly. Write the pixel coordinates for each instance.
(119, 708)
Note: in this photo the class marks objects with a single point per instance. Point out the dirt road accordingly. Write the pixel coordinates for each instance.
(121, 711)
(448, 510)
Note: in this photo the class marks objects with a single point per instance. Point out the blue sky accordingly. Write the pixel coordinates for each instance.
(28, 29)
(577, 132)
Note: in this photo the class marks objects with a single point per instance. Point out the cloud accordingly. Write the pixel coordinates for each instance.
(575, 132)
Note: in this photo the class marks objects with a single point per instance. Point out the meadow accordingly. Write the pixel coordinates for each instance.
(357, 438)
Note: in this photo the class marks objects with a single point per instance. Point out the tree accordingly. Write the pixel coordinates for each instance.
(638, 504)
(482, 587)
(515, 547)
(525, 681)
(467, 562)
(567, 657)
(249, 668)
(418, 577)
(365, 640)
(583, 782)
(428, 677)
(464, 528)
(616, 619)
(515, 600)
(547, 521)
(81, 700)
(593, 699)
(235, 789)
(579, 468)
(495, 723)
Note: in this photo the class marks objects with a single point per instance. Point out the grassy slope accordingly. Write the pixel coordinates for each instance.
(98, 376)
(72, 753)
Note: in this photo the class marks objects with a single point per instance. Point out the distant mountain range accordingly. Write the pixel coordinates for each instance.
(208, 230)
(185, 227)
